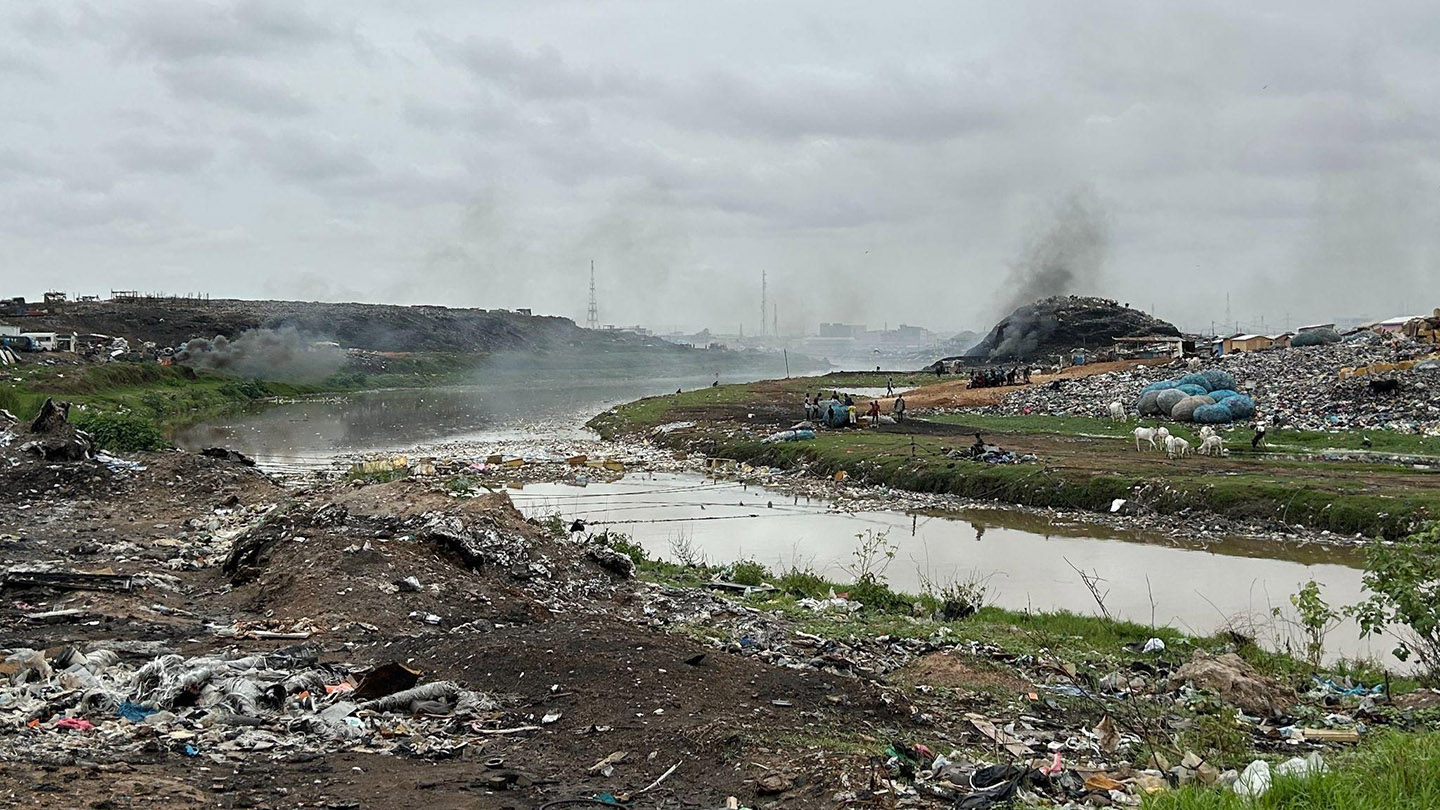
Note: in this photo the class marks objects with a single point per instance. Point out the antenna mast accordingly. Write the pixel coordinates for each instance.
(592, 317)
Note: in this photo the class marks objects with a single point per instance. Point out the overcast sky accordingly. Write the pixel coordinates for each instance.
(885, 163)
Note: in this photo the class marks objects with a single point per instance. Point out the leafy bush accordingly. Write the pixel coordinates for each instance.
(251, 388)
(874, 594)
(121, 432)
(748, 572)
(1404, 583)
(803, 582)
(627, 546)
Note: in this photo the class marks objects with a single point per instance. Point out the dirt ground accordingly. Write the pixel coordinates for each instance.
(957, 394)
(577, 642)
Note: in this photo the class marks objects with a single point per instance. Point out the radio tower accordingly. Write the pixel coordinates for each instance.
(764, 303)
(592, 317)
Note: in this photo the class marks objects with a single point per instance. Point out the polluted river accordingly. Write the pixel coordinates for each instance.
(1027, 560)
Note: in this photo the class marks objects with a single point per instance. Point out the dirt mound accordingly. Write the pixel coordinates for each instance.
(1058, 325)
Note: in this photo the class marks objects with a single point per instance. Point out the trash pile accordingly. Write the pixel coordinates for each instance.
(57, 704)
(1207, 397)
(1311, 388)
(1062, 323)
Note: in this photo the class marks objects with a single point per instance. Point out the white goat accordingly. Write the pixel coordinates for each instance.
(1144, 434)
(1162, 433)
(1117, 412)
(1212, 446)
(1206, 431)
(1176, 447)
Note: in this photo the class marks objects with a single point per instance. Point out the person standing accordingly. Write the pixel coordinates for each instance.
(899, 408)
(890, 387)
(874, 413)
(1258, 440)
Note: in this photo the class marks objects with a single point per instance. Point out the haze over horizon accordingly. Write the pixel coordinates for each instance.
(881, 165)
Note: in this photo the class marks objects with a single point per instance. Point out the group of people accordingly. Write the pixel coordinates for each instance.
(992, 377)
(814, 410)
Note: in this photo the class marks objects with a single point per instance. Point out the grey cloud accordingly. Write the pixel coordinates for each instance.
(540, 73)
(235, 87)
(308, 157)
(185, 30)
(147, 152)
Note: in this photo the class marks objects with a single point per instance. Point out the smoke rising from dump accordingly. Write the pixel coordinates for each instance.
(1064, 257)
(275, 354)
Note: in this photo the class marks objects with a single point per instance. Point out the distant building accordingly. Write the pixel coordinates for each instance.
(1316, 327)
(1393, 325)
(1281, 341)
(1247, 343)
(841, 330)
(1150, 347)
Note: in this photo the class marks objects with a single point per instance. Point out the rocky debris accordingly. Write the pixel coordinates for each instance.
(1298, 388)
(1230, 677)
(1061, 324)
(53, 438)
(226, 707)
(226, 454)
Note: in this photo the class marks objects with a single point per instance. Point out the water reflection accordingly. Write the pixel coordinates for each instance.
(1191, 584)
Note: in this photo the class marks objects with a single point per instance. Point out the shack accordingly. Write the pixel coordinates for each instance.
(1247, 343)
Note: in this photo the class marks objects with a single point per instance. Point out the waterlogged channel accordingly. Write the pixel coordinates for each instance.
(1026, 559)
(313, 432)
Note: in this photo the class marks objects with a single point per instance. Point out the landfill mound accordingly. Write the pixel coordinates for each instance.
(1310, 388)
(1060, 324)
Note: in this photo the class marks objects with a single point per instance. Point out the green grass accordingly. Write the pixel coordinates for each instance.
(1395, 771)
(1236, 439)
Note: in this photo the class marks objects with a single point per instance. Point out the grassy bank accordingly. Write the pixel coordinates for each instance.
(1083, 463)
(1083, 650)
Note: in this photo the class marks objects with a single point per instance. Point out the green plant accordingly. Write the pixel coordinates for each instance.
(748, 572)
(1315, 620)
(246, 389)
(554, 525)
(873, 554)
(803, 582)
(684, 550)
(121, 432)
(1404, 583)
(624, 544)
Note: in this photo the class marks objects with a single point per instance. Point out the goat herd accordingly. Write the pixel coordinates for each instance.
(1175, 447)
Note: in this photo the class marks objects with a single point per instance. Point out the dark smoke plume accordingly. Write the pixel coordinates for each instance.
(273, 354)
(1062, 259)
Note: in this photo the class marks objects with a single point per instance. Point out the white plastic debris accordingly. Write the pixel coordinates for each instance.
(1154, 645)
(1254, 781)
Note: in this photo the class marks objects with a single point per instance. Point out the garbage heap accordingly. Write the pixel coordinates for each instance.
(1207, 396)
(1310, 388)
(61, 703)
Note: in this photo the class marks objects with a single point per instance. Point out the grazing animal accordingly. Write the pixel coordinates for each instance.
(1117, 412)
(1176, 447)
(1206, 432)
(1212, 446)
(1162, 433)
(1144, 434)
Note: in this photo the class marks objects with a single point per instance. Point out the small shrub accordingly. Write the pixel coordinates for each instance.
(627, 546)
(554, 526)
(872, 555)
(803, 582)
(874, 594)
(685, 552)
(121, 432)
(748, 572)
(1315, 620)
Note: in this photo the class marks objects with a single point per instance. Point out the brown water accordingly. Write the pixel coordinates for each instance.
(1027, 559)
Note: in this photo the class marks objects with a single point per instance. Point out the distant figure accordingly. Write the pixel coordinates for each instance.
(899, 409)
(850, 408)
(939, 369)
(874, 413)
(834, 396)
(677, 392)
(890, 387)
(977, 450)
(1027, 375)
(1258, 440)
(806, 403)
